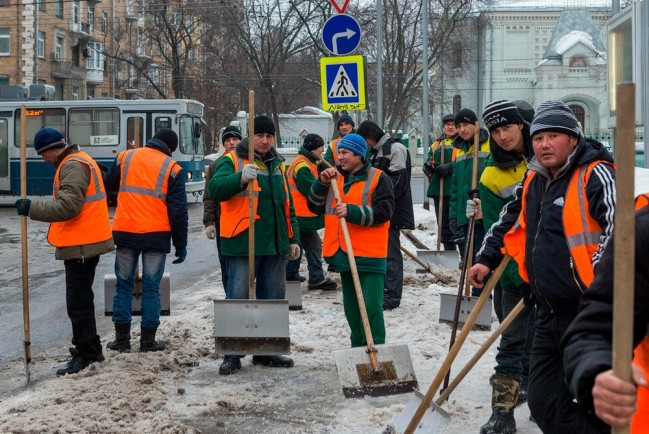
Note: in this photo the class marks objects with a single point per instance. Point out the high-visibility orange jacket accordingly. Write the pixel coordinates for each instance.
(142, 197)
(299, 199)
(331, 153)
(581, 230)
(367, 241)
(91, 225)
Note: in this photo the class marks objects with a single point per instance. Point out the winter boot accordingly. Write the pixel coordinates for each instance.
(504, 395)
(122, 342)
(522, 395)
(450, 247)
(148, 342)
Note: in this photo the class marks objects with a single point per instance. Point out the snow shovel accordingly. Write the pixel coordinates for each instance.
(23, 233)
(395, 373)
(427, 411)
(251, 326)
(444, 258)
(624, 248)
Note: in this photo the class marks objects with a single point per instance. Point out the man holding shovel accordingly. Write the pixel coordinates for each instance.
(276, 223)
(368, 203)
(80, 231)
(556, 229)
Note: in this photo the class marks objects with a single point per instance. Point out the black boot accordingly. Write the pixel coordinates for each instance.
(122, 342)
(273, 361)
(78, 363)
(148, 342)
(500, 422)
(230, 365)
(450, 247)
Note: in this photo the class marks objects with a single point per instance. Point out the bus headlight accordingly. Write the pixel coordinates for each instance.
(189, 175)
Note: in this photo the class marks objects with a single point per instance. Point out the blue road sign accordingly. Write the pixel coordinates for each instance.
(341, 34)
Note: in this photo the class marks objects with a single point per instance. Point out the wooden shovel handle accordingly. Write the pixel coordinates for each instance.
(455, 349)
(251, 196)
(416, 259)
(23, 233)
(440, 208)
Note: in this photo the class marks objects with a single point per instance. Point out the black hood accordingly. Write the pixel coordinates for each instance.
(504, 159)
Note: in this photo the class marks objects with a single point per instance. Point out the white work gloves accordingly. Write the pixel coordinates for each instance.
(210, 232)
(295, 252)
(473, 209)
(248, 173)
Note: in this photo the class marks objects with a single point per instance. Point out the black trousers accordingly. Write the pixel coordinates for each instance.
(79, 298)
(550, 400)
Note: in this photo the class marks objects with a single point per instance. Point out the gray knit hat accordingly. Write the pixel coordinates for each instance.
(500, 113)
(555, 116)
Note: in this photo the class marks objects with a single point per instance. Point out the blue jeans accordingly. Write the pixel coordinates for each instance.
(270, 274)
(513, 352)
(153, 267)
(312, 246)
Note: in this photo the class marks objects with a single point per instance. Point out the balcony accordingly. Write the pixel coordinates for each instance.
(95, 76)
(61, 69)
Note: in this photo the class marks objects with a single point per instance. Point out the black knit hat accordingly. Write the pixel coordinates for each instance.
(370, 130)
(168, 137)
(48, 138)
(264, 124)
(313, 142)
(448, 118)
(467, 116)
(525, 109)
(229, 132)
(555, 116)
(345, 118)
(500, 113)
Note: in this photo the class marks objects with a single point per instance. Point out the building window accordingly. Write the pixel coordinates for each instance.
(58, 8)
(457, 103)
(175, 18)
(76, 12)
(40, 45)
(58, 48)
(41, 5)
(580, 114)
(91, 18)
(457, 55)
(104, 22)
(95, 58)
(75, 93)
(578, 62)
(4, 42)
(154, 74)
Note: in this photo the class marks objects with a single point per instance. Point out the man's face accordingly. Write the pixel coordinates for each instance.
(349, 161)
(230, 143)
(465, 130)
(449, 129)
(552, 149)
(51, 155)
(263, 142)
(317, 152)
(509, 137)
(370, 142)
(345, 128)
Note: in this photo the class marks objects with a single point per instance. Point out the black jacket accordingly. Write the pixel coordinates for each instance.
(555, 283)
(587, 342)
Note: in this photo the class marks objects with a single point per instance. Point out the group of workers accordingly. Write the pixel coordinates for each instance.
(545, 197)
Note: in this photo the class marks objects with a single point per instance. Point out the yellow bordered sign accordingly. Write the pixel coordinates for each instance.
(343, 83)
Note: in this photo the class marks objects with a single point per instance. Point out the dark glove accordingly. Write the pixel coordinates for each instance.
(444, 170)
(526, 294)
(181, 254)
(22, 206)
(452, 225)
(428, 169)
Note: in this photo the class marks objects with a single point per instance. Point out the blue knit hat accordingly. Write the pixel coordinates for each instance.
(555, 116)
(354, 143)
(48, 138)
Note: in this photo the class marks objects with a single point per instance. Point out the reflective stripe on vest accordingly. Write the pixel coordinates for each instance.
(236, 210)
(582, 233)
(92, 224)
(334, 149)
(142, 197)
(447, 143)
(300, 200)
(367, 241)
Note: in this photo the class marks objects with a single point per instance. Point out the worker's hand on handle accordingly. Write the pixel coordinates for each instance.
(248, 173)
(328, 175)
(210, 232)
(181, 254)
(614, 399)
(341, 210)
(477, 274)
(474, 209)
(22, 206)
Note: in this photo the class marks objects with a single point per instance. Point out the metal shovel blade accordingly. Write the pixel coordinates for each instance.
(467, 305)
(443, 258)
(258, 327)
(434, 421)
(358, 379)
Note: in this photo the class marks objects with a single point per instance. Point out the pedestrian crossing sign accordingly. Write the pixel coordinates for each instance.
(343, 83)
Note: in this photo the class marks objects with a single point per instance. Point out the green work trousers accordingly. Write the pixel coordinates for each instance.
(372, 286)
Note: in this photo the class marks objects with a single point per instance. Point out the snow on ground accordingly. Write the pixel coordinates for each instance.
(179, 390)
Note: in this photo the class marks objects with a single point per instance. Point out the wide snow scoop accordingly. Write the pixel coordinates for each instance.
(23, 233)
(426, 404)
(444, 258)
(394, 374)
(251, 326)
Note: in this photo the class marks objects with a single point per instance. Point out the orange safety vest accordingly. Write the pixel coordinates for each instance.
(367, 241)
(92, 224)
(236, 210)
(436, 145)
(334, 149)
(300, 200)
(142, 197)
(582, 233)
(640, 421)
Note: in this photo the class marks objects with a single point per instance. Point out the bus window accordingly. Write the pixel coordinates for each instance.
(130, 132)
(161, 123)
(38, 118)
(4, 148)
(94, 127)
(186, 136)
